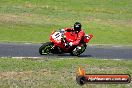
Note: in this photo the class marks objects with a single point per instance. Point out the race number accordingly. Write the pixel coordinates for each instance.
(57, 36)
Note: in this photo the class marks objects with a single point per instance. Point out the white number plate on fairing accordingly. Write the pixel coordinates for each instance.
(57, 36)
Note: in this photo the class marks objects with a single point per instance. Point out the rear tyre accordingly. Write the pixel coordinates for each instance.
(46, 48)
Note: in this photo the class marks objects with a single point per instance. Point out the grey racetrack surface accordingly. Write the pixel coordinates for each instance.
(31, 50)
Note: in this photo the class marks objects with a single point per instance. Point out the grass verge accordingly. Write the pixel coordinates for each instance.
(58, 73)
(33, 20)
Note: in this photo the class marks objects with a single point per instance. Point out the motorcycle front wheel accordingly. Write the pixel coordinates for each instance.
(45, 48)
(78, 50)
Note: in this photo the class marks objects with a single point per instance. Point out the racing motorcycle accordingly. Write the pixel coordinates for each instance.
(59, 43)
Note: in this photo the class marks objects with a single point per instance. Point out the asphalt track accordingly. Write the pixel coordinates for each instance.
(95, 51)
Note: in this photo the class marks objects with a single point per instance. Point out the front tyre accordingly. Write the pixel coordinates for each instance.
(45, 48)
(79, 50)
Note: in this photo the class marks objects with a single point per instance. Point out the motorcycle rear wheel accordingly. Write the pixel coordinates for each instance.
(45, 48)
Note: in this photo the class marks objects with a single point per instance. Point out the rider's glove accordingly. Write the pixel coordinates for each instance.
(70, 44)
(66, 45)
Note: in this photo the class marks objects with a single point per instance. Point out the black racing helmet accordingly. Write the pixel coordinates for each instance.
(77, 26)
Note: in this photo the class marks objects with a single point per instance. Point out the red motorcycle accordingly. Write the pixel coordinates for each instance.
(59, 43)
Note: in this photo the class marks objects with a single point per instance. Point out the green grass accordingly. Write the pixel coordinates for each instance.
(58, 73)
(33, 20)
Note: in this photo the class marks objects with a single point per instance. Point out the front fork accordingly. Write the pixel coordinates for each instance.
(56, 49)
(53, 47)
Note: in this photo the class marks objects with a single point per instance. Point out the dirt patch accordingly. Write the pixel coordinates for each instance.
(113, 22)
(9, 18)
(15, 74)
(25, 18)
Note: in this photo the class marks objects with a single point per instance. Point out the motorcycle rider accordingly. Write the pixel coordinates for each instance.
(77, 32)
(68, 40)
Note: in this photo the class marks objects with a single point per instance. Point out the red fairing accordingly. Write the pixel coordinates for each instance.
(57, 42)
(52, 40)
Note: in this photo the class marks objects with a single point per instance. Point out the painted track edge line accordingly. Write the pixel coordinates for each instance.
(22, 57)
(58, 58)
